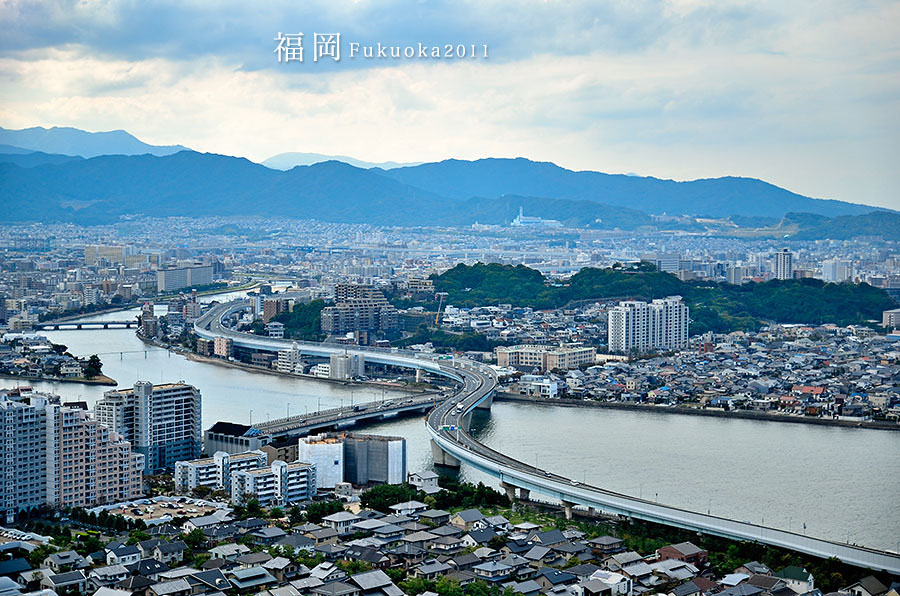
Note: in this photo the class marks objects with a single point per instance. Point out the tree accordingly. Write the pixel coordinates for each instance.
(93, 367)
(382, 496)
(316, 511)
(295, 515)
(195, 538)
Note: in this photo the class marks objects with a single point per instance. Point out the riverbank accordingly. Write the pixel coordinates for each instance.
(275, 373)
(689, 411)
(98, 380)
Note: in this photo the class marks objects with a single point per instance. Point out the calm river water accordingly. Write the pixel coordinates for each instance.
(843, 484)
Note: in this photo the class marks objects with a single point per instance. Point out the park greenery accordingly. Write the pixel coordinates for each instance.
(301, 323)
(716, 307)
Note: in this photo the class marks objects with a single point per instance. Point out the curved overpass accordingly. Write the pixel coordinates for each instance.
(448, 425)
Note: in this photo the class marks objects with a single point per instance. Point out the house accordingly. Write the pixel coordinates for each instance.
(337, 589)
(327, 572)
(122, 554)
(375, 583)
(341, 522)
(430, 569)
(251, 579)
(754, 568)
(479, 537)
(411, 508)
(148, 568)
(200, 523)
(446, 545)
(229, 552)
(267, 536)
(602, 546)
(436, 517)
(108, 575)
(211, 580)
(13, 567)
(282, 568)
(467, 519)
(323, 536)
(492, 571)
(867, 586)
(67, 560)
(367, 554)
(797, 579)
(426, 482)
(68, 582)
(549, 578)
(684, 551)
(619, 584)
(169, 552)
(594, 587)
(421, 538)
(498, 523)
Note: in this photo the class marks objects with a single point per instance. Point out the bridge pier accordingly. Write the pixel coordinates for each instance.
(568, 509)
(442, 458)
(486, 404)
(524, 494)
(420, 375)
(509, 489)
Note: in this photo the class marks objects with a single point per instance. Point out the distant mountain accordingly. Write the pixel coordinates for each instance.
(72, 141)
(195, 184)
(29, 159)
(286, 161)
(716, 197)
(878, 223)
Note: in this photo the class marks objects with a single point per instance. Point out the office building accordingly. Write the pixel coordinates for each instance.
(176, 278)
(891, 318)
(784, 264)
(215, 472)
(661, 325)
(62, 457)
(545, 358)
(233, 438)
(280, 484)
(161, 421)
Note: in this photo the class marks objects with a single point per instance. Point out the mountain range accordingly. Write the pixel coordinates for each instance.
(54, 176)
(286, 161)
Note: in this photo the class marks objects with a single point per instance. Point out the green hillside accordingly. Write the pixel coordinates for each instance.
(714, 307)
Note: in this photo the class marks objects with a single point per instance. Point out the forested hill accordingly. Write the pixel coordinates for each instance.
(714, 307)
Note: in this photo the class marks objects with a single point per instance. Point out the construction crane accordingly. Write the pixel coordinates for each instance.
(437, 315)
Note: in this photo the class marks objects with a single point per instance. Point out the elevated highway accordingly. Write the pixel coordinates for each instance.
(448, 424)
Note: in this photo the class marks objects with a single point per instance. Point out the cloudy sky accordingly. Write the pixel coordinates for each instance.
(802, 94)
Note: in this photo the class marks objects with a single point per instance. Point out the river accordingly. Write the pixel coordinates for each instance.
(841, 483)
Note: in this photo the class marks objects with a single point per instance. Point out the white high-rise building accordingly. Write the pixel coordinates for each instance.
(161, 421)
(641, 327)
(215, 472)
(836, 270)
(784, 264)
(326, 453)
(281, 484)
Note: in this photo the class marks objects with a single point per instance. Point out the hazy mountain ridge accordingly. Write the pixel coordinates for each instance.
(73, 141)
(718, 197)
(286, 161)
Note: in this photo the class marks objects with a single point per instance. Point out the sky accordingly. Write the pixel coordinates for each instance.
(802, 94)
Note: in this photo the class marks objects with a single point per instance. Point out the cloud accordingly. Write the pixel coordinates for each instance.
(803, 97)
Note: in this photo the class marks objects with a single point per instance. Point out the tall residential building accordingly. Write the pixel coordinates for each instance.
(784, 264)
(223, 347)
(176, 278)
(161, 421)
(358, 308)
(280, 484)
(347, 365)
(641, 327)
(61, 457)
(326, 453)
(290, 360)
(215, 472)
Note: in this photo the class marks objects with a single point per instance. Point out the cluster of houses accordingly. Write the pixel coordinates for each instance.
(32, 356)
(357, 554)
(813, 371)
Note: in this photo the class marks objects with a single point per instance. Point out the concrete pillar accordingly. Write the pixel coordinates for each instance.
(442, 458)
(486, 404)
(568, 507)
(524, 493)
(510, 490)
(420, 375)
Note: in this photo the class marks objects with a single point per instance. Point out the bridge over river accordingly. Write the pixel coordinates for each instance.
(448, 424)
